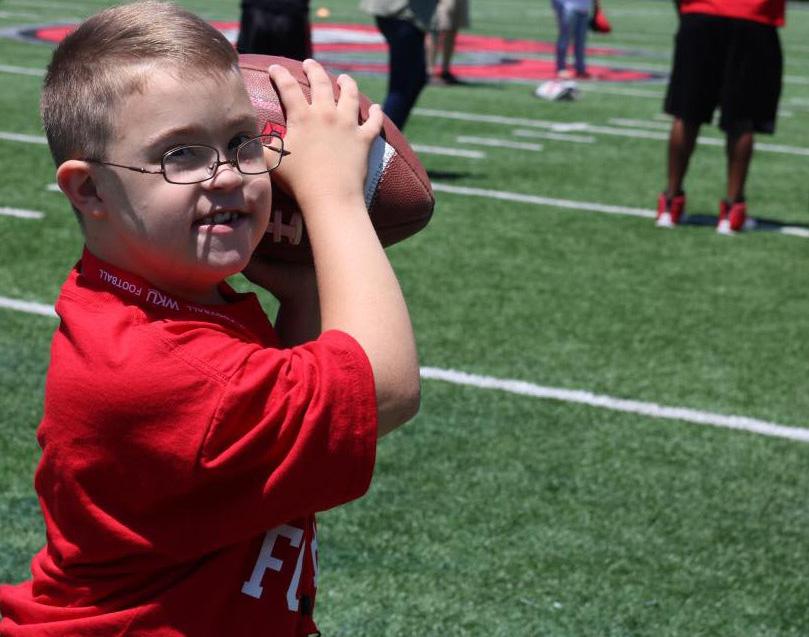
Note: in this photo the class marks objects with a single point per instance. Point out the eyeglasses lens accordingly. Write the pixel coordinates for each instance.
(260, 154)
(192, 164)
(189, 164)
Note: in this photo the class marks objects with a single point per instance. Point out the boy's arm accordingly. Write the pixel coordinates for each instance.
(357, 288)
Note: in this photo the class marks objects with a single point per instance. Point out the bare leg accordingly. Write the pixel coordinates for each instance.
(447, 49)
(682, 140)
(739, 151)
(431, 45)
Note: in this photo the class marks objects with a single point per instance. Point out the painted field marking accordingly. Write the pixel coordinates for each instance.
(21, 70)
(639, 123)
(25, 139)
(586, 206)
(16, 15)
(589, 128)
(577, 396)
(560, 137)
(449, 152)
(626, 92)
(544, 201)
(29, 307)
(498, 143)
(20, 213)
(58, 6)
(652, 410)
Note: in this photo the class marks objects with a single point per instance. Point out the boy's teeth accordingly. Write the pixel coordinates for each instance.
(221, 217)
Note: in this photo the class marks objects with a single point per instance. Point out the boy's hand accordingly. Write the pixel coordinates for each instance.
(287, 282)
(328, 146)
(295, 286)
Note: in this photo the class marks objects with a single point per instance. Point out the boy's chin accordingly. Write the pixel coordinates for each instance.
(217, 267)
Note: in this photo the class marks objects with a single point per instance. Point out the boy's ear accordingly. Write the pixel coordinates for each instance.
(75, 179)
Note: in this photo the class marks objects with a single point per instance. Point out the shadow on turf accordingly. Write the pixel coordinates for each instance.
(762, 225)
(461, 83)
(447, 175)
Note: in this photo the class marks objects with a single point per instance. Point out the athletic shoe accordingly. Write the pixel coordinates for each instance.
(448, 78)
(583, 75)
(732, 217)
(670, 210)
(565, 74)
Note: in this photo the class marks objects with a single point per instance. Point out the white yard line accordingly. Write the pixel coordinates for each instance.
(559, 137)
(449, 152)
(585, 206)
(20, 213)
(576, 396)
(498, 143)
(25, 139)
(29, 307)
(652, 410)
(619, 90)
(640, 123)
(21, 70)
(589, 128)
(58, 6)
(538, 200)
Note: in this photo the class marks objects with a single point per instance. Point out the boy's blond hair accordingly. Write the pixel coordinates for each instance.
(110, 56)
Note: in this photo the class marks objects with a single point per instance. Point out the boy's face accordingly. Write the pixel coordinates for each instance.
(166, 232)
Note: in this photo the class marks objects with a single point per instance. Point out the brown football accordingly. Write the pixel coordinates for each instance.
(398, 194)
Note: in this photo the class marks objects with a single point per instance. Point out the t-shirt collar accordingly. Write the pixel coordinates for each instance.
(235, 311)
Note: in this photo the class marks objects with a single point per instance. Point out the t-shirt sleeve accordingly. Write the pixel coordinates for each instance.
(294, 433)
(304, 420)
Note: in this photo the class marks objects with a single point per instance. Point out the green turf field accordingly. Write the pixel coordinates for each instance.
(500, 511)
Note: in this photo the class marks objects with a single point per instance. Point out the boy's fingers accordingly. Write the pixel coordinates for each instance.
(322, 90)
(289, 90)
(349, 101)
(373, 125)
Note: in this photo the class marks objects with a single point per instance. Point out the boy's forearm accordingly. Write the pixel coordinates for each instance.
(360, 294)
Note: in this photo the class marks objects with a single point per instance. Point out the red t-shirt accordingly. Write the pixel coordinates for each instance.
(770, 12)
(183, 458)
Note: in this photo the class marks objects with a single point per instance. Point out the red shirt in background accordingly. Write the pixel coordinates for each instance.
(770, 12)
(183, 458)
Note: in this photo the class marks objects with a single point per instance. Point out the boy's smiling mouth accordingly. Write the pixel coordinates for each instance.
(222, 217)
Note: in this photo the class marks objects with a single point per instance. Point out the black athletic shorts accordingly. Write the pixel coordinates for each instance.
(275, 28)
(733, 64)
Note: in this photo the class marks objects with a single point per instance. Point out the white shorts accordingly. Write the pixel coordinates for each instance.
(451, 15)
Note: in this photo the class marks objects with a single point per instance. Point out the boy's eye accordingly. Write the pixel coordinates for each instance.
(238, 140)
(195, 155)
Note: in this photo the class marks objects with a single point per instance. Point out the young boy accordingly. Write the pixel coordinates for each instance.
(185, 445)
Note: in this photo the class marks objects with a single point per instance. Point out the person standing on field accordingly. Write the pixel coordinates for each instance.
(727, 55)
(404, 24)
(573, 20)
(450, 17)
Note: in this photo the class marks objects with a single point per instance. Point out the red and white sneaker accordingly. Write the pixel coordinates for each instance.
(670, 210)
(733, 217)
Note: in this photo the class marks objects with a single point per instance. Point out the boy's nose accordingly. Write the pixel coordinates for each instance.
(225, 175)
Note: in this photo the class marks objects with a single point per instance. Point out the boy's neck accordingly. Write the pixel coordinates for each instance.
(209, 294)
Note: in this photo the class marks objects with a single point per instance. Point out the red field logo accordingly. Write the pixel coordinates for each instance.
(360, 48)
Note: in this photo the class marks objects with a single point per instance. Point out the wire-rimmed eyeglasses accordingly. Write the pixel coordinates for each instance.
(196, 163)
